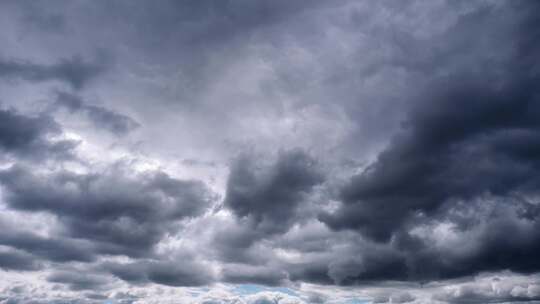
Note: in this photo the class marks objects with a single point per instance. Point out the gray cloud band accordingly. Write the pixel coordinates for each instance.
(429, 176)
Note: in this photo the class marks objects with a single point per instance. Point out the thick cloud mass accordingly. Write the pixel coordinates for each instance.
(270, 198)
(28, 137)
(14, 260)
(257, 152)
(53, 249)
(471, 138)
(162, 272)
(123, 214)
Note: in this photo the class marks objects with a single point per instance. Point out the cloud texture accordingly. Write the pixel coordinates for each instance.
(257, 152)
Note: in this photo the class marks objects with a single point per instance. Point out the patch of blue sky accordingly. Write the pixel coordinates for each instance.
(247, 289)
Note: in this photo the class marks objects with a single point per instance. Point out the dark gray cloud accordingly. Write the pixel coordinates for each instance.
(242, 274)
(265, 197)
(389, 145)
(74, 71)
(17, 260)
(350, 262)
(175, 274)
(96, 296)
(52, 249)
(468, 136)
(121, 211)
(30, 136)
(316, 272)
(187, 32)
(269, 197)
(101, 117)
(373, 265)
(181, 272)
(440, 136)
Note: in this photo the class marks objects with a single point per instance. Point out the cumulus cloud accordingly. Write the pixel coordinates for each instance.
(121, 211)
(32, 136)
(269, 196)
(47, 248)
(285, 152)
(170, 273)
(447, 158)
(16, 260)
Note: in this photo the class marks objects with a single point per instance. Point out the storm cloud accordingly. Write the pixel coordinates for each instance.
(270, 198)
(122, 212)
(32, 136)
(255, 152)
(465, 141)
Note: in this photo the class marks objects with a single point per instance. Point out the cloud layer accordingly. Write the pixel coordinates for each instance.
(269, 152)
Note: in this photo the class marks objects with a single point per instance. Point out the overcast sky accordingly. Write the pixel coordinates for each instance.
(269, 151)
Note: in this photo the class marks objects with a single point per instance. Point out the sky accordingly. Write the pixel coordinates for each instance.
(269, 152)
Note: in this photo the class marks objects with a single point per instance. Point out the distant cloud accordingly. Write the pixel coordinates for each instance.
(101, 117)
(269, 152)
(74, 71)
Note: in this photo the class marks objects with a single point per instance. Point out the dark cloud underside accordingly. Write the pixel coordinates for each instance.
(385, 152)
